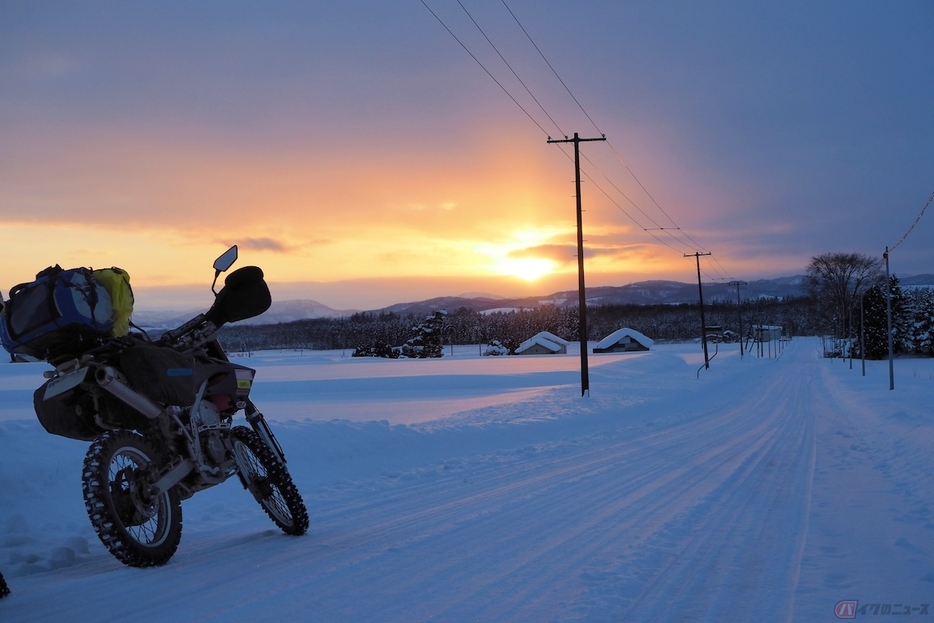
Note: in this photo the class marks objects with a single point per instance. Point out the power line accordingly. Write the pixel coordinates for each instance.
(657, 227)
(931, 198)
(669, 231)
(552, 68)
(610, 144)
(557, 127)
(545, 132)
(635, 221)
(586, 114)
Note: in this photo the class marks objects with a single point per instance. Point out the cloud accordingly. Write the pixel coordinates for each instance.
(264, 244)
(559, 253)
(567, 253)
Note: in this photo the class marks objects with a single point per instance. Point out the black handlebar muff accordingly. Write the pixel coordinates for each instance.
(244, 295)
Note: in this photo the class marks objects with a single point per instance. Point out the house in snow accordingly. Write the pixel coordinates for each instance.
(543, 343)
(551, 337)
(623, 341)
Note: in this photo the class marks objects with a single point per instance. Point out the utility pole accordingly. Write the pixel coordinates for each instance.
(700, 291)
(739, 315)
(888, 318)
(582, 298)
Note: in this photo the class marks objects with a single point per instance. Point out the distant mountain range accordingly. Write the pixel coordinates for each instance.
(641, 293)
(281, 311)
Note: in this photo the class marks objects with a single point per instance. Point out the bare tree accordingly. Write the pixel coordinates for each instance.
(836, 280)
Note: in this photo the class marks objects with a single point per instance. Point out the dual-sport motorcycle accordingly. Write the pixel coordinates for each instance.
(159, 415)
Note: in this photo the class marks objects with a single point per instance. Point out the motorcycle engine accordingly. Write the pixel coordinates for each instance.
(211, 430)
(206, 416)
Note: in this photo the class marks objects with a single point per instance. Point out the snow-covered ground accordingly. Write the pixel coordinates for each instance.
(488, 489)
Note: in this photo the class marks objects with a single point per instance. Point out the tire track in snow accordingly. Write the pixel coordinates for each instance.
(704, 503)
(717, 561)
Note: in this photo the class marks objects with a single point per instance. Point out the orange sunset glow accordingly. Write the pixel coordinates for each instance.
(366, 163)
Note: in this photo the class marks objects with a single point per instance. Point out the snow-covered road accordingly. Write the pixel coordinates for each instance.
(765, 489)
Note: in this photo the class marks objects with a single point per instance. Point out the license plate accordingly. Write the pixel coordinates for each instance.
(64, 383)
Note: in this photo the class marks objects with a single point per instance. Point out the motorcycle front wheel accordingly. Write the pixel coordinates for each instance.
(140, 530)
(269, 481)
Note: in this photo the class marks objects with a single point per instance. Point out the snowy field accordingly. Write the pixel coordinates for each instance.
(488, 489)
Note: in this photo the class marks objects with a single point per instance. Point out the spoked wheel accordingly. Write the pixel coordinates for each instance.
(269, 482)
(140, 530)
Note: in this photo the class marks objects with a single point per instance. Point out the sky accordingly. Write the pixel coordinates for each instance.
(372, 153)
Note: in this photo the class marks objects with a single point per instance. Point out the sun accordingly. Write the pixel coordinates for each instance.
(527, 268)
(520, 257)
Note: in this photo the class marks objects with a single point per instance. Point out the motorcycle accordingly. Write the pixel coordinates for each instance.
(159, 414)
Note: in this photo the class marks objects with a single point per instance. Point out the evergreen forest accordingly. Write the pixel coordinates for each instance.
(386, 334)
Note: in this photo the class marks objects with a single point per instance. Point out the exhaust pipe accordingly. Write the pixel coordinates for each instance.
(112, 381)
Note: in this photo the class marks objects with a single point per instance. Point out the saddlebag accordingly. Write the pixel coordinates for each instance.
(65, 415)
(59, 314)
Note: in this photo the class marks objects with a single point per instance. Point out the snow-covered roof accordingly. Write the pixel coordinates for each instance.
(619, 334)
(541, 341)
(551, 337)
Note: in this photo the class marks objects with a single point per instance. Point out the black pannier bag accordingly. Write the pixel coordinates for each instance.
(75, 413)
(158, 372)
(68, 415)
(59, 314)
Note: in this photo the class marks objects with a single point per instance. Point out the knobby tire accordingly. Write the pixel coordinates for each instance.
(270, 483)
(138, 531)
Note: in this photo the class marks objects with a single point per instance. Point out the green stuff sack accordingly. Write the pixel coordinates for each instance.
(117, 283)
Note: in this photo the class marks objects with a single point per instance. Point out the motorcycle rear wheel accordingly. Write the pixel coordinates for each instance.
(139, 530)
(269, 481)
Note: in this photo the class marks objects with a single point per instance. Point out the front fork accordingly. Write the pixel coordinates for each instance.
(258, 422)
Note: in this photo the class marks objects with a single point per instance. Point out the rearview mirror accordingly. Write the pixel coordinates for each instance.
(222, 263)
(226, 260)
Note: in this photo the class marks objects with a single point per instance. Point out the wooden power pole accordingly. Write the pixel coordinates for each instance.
(582, 299)
(703, 322)
(739, 314)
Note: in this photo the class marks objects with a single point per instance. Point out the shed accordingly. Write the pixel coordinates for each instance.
(767, 333)
(623, 341)
(543, 343)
